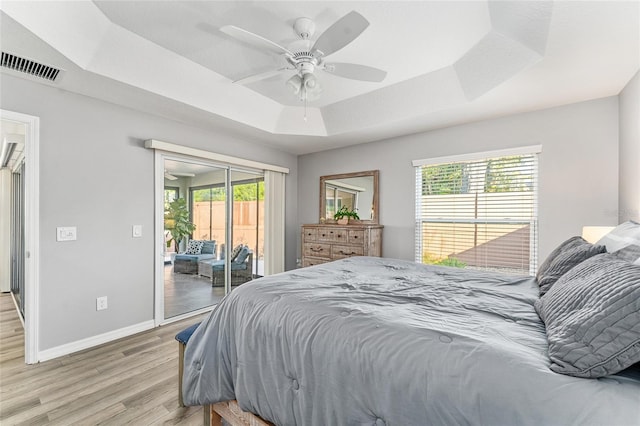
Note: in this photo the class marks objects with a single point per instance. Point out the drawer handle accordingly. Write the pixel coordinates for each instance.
(324, 235)
(355, 237)
(339, 236)
(316, 250)
(348, 254)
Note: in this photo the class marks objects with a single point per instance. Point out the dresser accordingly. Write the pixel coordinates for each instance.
(323, 243)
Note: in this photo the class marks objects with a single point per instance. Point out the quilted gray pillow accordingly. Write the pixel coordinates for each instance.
(630, 253)
(564, 262)
(564, 246)
(592, 317)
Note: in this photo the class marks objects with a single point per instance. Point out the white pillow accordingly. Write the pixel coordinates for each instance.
(625, 234)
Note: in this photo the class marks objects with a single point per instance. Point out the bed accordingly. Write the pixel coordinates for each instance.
(376, 341)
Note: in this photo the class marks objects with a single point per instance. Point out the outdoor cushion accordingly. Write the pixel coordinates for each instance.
(236, 250)
(242, 255)
(209, 247)
(193, 257)
(218, 265)
(194, 247)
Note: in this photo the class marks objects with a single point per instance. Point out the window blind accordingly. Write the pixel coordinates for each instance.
(479, 213)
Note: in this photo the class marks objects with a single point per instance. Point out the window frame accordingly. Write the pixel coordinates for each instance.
(419, 221)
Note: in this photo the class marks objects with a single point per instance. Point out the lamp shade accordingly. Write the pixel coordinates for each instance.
(593, 233)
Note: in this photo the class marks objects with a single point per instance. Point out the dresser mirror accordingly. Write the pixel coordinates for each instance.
(357, 191)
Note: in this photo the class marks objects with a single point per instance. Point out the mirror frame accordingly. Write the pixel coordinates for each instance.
(374, 173)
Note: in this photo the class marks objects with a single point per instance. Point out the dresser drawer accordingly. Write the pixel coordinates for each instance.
(310, 261)
(322, 242)
(338, 252)
(317, 250)
(356, 236)
(310, 234)
(332, 235)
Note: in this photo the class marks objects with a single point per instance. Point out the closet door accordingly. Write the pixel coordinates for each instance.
(17, 251)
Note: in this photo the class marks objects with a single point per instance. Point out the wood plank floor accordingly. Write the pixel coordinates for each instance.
(132, 381)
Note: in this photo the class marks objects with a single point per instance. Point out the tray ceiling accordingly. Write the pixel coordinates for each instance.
(446, 62)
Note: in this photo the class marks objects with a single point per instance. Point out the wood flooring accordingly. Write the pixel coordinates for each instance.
(131, 381)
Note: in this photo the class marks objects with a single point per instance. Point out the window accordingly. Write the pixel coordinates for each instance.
(478, 211)
(170, 193)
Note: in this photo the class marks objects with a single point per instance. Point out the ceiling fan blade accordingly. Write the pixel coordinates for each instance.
(259, 76)
(355, 71)
(341, 33)
(255, 40)
(169, 176)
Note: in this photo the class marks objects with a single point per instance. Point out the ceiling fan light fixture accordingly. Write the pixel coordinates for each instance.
(310, 82)
(294, 83)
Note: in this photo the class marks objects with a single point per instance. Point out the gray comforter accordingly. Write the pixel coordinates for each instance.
(371, 341)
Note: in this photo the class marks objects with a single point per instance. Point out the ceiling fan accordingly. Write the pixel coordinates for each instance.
(304, 56)
(175, 175)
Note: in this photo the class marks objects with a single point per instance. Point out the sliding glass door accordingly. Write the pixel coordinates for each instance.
(248, 217)
(213, 241)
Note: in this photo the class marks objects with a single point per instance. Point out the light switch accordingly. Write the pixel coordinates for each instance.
(137, 231)
(66, 233)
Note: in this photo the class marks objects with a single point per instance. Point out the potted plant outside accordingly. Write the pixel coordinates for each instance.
(177, 222)
(343, 215)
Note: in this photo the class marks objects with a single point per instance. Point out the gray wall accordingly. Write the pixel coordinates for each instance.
(629, 205)
(96, 175)
(578, 169)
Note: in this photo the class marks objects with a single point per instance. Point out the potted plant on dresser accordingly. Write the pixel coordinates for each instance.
(343, 215)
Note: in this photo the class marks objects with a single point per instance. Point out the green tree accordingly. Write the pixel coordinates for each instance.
(444, 179)
(177, 222)
(507, 174)
(247, 191)
(241, 192)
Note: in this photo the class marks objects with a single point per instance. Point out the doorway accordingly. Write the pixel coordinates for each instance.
(19, 220)
(213, 234)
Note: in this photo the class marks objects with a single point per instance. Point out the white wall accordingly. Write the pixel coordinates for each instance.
(578, 169)
(96, 175)
(629, 203)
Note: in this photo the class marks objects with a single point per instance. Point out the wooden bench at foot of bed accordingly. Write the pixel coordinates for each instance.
(230, 411)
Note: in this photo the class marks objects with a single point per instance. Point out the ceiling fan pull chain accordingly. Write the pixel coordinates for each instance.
(305, 109)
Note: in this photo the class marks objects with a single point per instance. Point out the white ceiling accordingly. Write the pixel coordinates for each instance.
(447, 62)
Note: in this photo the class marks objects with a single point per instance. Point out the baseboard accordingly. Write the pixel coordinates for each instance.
(90, 342)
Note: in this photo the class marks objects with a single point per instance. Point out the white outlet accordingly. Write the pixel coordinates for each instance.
(101, 303)
(137, 231)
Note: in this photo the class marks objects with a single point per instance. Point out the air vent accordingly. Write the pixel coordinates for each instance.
(27, 66)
